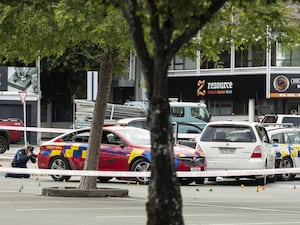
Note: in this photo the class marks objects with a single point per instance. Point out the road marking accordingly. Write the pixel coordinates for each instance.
(246, 208)
(113, 216)
(71, 209)
(258, 223)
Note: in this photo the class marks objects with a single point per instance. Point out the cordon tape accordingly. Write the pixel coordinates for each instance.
(207, 173)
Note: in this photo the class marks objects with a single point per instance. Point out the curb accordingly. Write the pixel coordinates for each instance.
(74, 192)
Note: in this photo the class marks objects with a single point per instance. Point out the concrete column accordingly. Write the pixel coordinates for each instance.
(251, 110)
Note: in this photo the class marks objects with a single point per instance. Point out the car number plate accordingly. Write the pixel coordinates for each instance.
(195, 169)
(227, 150)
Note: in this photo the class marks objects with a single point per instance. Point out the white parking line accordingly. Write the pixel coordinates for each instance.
(73, 209)
(259, 223)
(284, 212)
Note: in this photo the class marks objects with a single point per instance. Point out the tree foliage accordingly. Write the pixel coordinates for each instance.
(39, 28)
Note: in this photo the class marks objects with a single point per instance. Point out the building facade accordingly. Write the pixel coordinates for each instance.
(271, 77)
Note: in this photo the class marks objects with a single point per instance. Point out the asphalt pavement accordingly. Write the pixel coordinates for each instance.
(221, 203)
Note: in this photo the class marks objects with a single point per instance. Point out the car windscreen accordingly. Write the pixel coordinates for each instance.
(228, 133)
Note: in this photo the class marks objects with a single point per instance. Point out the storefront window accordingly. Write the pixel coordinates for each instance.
(218, 108)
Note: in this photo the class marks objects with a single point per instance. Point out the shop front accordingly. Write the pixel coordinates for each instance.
(224, 95)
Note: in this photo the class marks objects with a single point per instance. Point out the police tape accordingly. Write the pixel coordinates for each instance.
(207, 173)
(36, 129)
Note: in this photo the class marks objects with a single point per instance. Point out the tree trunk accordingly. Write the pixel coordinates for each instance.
(164, 204)
(92, 158)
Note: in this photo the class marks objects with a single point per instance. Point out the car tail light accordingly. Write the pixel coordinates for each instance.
(257, 153)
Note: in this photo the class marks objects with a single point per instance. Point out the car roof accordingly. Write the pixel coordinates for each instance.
(128, 120)
(279, 129)
(282, 115)
(118, 127)
(228, 122)
(195, 104)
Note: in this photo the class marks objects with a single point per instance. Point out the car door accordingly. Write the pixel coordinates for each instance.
(268, 149)
(293, 143)
(113, 153)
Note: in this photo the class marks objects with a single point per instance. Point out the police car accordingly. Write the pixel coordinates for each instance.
(286, 143)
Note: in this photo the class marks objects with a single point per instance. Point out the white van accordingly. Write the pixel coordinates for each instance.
(182, 112)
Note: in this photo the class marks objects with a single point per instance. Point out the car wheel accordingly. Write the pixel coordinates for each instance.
(104, 179)
(59, 163)
(286, 163)
(141, 165)
(3, 144)
(199, 180)
(212, 179)
(186, 181)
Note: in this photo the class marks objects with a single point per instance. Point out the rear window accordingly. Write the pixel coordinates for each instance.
(269, 119)
(229, 133)
(294, 120)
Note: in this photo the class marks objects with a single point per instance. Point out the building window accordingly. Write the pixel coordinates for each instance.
(185, 63)
(241, 57)
(287, 57)
(189, 64)
(222, 62)
(253, 57)
(258, 56)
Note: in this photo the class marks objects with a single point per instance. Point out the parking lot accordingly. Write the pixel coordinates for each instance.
(222, 203)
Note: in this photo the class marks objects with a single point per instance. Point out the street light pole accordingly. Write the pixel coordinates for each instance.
(38, 118)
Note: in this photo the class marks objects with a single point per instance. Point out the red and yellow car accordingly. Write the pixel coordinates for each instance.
(123, 148)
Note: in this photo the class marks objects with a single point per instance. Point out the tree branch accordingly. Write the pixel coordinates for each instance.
(199, 24)
(135, 26)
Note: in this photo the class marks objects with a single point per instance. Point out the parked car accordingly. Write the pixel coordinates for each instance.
(238, 145)
(189, 138)
(286, 143)
(281, 119)
(123, 148)
(9, 136)
(182, 112)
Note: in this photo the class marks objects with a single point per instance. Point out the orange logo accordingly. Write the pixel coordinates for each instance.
(200, 90)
